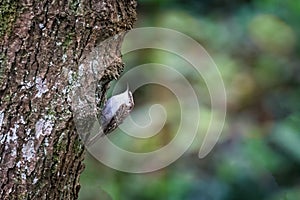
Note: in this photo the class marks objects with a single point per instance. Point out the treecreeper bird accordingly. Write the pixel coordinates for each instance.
(114, 112)
(116, 109)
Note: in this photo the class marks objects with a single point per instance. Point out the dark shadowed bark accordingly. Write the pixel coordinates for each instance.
(42, 45)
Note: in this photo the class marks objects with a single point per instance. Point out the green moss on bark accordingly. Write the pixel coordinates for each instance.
(8, 15)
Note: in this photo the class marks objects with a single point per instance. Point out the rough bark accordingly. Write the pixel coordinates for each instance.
(42, 45)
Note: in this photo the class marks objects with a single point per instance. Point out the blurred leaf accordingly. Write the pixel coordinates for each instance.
(270, 71)
(272, 34)
(286, 134)
(262, 156)
(287, 194)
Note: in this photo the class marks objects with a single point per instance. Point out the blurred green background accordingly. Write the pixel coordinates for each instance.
(256, 46)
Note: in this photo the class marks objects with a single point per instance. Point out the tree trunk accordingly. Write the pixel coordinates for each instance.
(43, 43)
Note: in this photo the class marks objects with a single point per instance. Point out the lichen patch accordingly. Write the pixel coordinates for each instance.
(41, 87)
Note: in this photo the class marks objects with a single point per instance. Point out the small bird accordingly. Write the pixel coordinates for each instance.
(115, 110)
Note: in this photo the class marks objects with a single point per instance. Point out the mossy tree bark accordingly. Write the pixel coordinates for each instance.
(41, 43)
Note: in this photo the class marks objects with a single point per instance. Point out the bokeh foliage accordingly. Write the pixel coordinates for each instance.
(256, 46)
